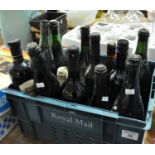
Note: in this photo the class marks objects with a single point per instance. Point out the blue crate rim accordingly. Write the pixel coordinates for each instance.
(82, 108)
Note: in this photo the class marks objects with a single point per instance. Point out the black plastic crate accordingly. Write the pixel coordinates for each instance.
(35, 23)
(65, 122)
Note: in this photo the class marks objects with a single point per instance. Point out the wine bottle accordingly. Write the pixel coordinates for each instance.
(20, 70)
(111, 56)
(73, 90)
(145, 75)
(117, 76)
(95, 59)
(45, 46)
(45, 82)
(85, 50)
(55, 40)
(100, 97)
(129, 102)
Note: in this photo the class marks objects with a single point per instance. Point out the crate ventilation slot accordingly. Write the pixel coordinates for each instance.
(66, 136)
(79, 138)
(92, 140)
(53, 132)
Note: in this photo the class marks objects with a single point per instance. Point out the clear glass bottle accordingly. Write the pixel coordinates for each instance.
(133, 16)
(60, 58)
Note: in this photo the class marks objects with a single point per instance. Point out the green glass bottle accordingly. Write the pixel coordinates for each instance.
(60, 58)
(145, 75)
(45, 45)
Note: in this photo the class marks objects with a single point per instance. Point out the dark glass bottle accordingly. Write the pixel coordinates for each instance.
(45, 82)
(100, 96)
(117, 75)
(129, 102)
(85, 50)
(74, 90)
(111, 56)
(145, 75)
(45, 46)
(59, 55)
(95, 59)
(20, 71)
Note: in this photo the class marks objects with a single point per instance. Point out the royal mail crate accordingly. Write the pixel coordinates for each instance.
(64, 122)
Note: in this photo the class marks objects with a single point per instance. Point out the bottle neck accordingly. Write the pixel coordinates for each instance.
(142, 48)
(74, 75)
(95, 54)
(44, 40)
(85, 47)
(132, 81)
(55, 36)
(111, 57)
(55, 41)
(73, 67)
(100, 84)
(120, 61)
(18, 59)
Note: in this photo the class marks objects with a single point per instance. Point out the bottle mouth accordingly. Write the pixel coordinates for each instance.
(143, 33)
(134, 60)
(100, 69)
(33, 50)
(122, 43)
(85, 30)
(95, 37)
(53, 23)
(15, 48)
(44, 21)
(14, 42)
(111, 48)
(73, 51)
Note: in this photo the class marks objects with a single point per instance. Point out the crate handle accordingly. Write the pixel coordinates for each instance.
(148, 120)
(151, 102)
(152, 94)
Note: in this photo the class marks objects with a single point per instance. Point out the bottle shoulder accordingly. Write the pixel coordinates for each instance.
(25, 64)
(89, 71)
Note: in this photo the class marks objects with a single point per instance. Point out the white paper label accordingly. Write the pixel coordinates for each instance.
(105, 98)
(130, 135)
(26, 85)
(40, 85)
(129, 91)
